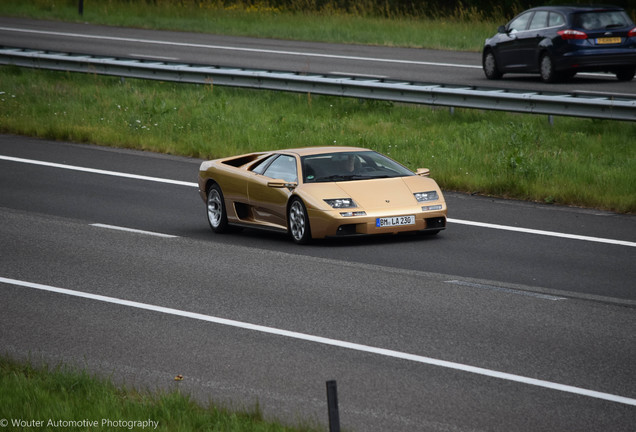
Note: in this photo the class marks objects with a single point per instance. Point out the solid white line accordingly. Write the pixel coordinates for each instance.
(330, 342)
(97, 171)
(228, 48)
(545, 233)
(450, 220)
(118, 228)
(152, 57)
(357, 75)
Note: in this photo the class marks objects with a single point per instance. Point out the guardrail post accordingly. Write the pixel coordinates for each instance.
(332, 404)
(80, 7)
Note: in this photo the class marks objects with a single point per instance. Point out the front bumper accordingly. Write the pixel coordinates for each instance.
(332, 224)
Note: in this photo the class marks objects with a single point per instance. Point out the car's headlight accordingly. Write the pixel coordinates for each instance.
(426, 196)
(341, 203)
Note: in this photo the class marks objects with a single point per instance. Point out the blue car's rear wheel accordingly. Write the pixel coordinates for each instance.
(298, 221)
(626, 74)
(546, 68)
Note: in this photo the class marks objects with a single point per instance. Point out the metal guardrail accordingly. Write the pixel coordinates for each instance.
(524, 101)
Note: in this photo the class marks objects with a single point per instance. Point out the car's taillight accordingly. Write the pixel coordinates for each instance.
(572, 34)
(632, 33)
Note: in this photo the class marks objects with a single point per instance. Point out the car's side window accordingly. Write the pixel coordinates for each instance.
(284, 167)
(555, 20)
(260, 167)
(520, 23)
(539, 20)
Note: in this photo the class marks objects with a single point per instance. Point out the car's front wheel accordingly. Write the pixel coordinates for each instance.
(298, 222)
(491, 70)
(217, 216)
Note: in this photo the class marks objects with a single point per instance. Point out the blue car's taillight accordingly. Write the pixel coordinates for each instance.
(572, 34)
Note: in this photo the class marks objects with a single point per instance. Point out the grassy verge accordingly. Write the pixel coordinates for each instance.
(460, 32)
(62, 398)
(581, 162)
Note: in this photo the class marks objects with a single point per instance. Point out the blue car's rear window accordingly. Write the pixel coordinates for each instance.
(601, 20)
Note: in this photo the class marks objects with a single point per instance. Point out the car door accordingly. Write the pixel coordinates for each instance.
(529, 41)
(508, 43)
(268, 203)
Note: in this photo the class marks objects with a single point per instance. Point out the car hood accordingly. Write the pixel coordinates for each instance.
(378, 193)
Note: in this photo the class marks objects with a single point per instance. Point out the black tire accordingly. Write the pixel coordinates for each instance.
(491, 69)
(626, 74)
(298, 222)
(215, 209)
(546, 69)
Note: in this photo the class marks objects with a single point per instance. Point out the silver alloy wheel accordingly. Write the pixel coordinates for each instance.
(297, 221)
(215, 208)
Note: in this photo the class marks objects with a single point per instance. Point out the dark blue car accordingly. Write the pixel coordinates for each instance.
(559, 41)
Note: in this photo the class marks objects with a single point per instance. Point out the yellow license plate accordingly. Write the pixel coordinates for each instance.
(609, 40)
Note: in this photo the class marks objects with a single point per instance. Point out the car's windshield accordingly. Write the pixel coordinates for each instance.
(601, 20)
(349, 166)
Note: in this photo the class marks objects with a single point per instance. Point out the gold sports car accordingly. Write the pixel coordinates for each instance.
(319, 192)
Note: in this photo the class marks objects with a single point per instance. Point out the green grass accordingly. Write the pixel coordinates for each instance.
(63, 398)
(581, 162)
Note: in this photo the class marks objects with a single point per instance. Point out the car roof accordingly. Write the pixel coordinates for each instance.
(577, 8)
(305, 151)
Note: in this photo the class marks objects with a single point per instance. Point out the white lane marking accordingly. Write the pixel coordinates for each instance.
(152, 57)
(542, 232)
(332, 342)
(450, 220)
(97, 171)
(357, 75)
(118, 228)
(229, 48)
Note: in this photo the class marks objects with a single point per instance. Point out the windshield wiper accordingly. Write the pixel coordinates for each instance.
(335, 177)
(350, 177)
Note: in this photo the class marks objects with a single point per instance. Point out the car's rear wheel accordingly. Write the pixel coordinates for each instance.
(217, 216)
(546, 68)
(298, 222)
(491, 70)
(626, 74)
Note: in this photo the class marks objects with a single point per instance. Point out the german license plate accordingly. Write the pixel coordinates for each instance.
(395, 221)
(608, 40)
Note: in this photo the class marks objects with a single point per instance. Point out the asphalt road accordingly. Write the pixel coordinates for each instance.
(482, 328)
(433, 66)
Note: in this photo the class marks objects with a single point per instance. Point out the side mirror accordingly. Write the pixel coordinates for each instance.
(502, 29)
(424, 172)
(279, 183)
